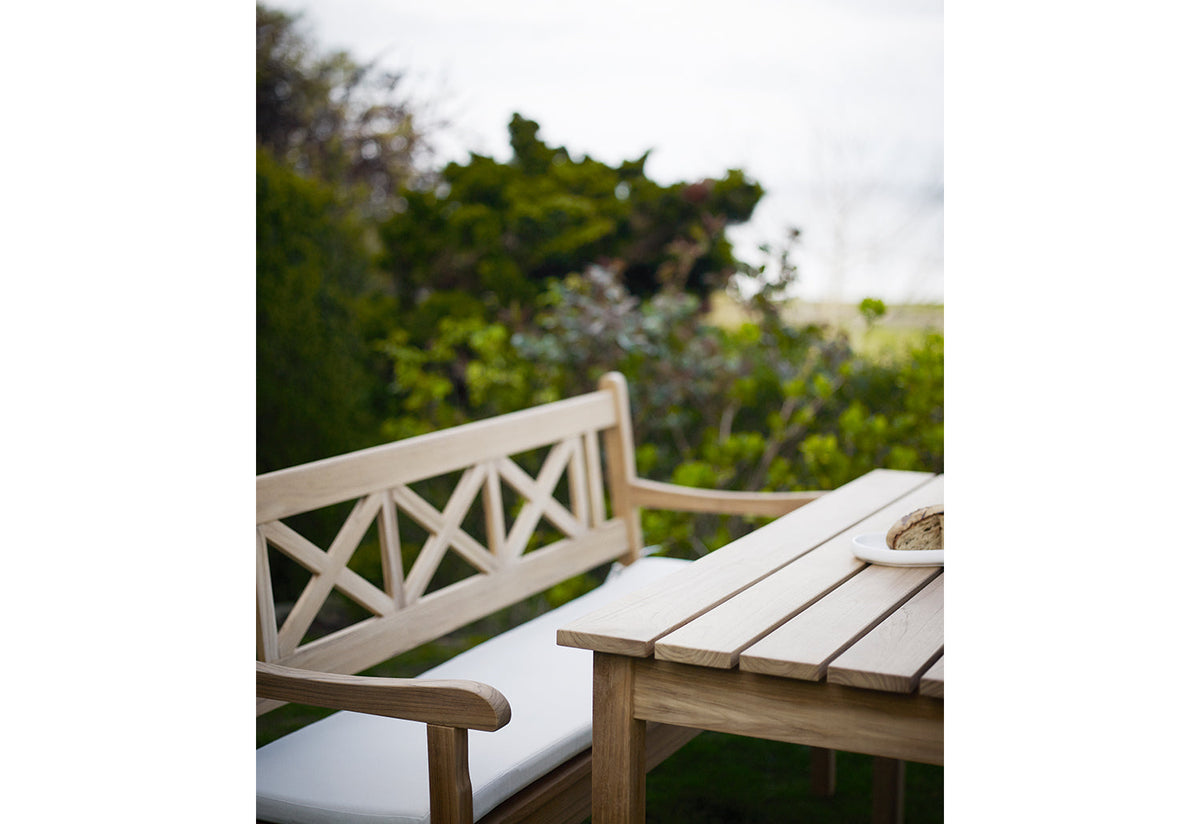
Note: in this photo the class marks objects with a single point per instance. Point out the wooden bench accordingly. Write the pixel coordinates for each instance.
(368, 764)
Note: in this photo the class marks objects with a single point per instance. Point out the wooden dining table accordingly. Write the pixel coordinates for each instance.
(783, 634)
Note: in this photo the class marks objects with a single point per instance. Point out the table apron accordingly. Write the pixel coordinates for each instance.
(817, 714)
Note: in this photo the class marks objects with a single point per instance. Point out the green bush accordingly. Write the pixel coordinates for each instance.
(314, 384)
(764, 406)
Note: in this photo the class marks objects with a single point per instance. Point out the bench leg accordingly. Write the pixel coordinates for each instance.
(887, 791)
(822, 771)
(450, 798)
(618, 745)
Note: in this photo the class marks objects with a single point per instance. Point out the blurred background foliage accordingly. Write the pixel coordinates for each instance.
(398, 296)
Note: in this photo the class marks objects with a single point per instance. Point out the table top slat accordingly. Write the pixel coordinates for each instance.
(892, 656)
(631, 625)
(933, 682)
(716, 638)
(803, 647)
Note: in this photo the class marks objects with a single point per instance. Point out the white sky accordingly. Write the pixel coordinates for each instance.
(834, 107)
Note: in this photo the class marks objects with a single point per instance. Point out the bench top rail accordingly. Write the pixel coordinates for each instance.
(563, 502)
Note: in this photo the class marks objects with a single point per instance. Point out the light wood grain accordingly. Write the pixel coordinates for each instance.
(329, 481)
(817, 714)
(933, 682)
(450, 703)
(577, 484)
(892, 656)
(378, 639)
(658, 495)
(451, 800)
(618, 744)
(390, 557)
(539, 498)
(445, 528)
(717, 637)
(445, 532)
(804, 646)
(445, 525)
(591, 454)
(495, 523)
(622, 470)
(631, 625)
(266, 629)
(331, 570)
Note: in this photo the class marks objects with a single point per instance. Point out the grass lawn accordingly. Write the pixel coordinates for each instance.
(900, 325)
(727, 779)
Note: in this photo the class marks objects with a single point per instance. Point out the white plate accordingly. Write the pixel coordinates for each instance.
(872, 548)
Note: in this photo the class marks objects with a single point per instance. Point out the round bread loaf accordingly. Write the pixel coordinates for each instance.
(918, 530)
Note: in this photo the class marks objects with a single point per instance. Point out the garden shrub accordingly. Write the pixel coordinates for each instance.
(762, 406)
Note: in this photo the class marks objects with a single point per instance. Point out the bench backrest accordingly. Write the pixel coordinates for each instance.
(377, 486)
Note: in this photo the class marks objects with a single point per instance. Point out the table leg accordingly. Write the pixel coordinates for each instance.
(822, 773)
(887, 791)
(618, 744)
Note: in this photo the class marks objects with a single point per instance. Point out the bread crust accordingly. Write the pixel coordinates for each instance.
(921, 529)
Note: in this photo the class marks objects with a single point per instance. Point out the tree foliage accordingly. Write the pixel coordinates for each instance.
(330, 117)
(765, 405)
(499, 232)
(314, 385)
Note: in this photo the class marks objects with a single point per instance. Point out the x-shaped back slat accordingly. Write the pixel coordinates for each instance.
(329, 570)
(539, 497)
(439, 541)
(445, 530)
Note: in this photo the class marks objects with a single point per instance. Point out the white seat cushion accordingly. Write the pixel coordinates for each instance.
(351, 767)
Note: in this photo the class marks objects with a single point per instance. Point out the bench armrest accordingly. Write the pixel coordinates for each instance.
(462, 704)
(658, 495)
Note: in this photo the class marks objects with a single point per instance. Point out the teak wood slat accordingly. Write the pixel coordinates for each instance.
(465, 704)
(265, 628)
(622, 471)
(330, 570)
(933, 682)
(375, 640)
(803, 647)
(717, 637)
(438, 542)
(318, 484)
(627, 627)
(657, 495)
(390, 558)
(818, 714)
(445, 528)
(892, 656)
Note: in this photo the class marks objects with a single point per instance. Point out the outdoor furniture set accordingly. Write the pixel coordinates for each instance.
(524, 727)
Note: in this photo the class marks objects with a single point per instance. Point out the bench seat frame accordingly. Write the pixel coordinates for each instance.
(322, 672)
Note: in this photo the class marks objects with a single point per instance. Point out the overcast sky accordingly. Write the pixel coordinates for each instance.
(834, 107)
